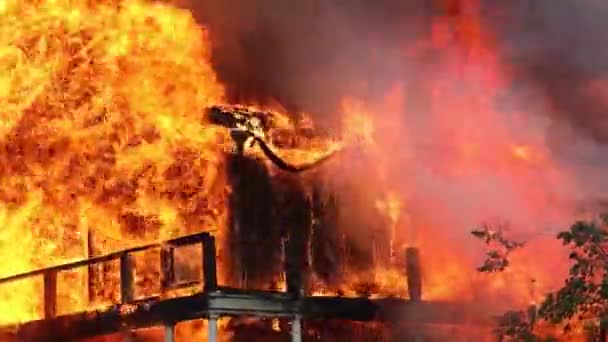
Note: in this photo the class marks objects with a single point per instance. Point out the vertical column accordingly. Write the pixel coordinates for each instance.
(209, 263)
(126, 287)
(50, 294)
(169, 333)
(212, 335)
(126, 278)
(91, 274)
(296, 329)
(167, 273)
(413, 271)
(293, 264)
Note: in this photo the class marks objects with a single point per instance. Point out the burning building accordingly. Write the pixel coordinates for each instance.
(137, 203)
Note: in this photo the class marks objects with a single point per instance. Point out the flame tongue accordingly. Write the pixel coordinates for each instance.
(100, 130)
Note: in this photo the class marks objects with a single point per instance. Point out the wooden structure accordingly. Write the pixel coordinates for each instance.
(209, 302)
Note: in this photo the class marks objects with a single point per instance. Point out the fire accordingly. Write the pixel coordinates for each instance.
(358, 124)
(391, 206)
(101, 132)
(521, 151)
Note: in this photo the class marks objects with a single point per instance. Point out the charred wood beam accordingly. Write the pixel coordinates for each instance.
(50, 294)
(414, 273)
(126, 278)
(153, 312)
(209, 263)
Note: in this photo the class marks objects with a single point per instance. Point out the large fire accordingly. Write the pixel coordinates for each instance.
(102, 131)
(103, 134)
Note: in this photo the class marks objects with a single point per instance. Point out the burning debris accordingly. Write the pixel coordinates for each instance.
(248, 128)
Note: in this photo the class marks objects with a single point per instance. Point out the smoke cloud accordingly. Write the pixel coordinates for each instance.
(558, 47)
(304, 54)
(309, 54)
(443, 154)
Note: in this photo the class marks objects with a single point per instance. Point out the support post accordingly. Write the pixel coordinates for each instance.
(126, 286)
(169, 333)
(126, 278)
(209, 264)
(212, 335)
(50, 294)
(294, 263)
(91, 268)
(167, 267)
(413, 271)
(296, 329)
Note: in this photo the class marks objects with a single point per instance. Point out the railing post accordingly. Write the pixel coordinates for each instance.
(167, 269)
(50, 294)
(90, 268)
(413, 273)
(126, 286)
(209, 264)
(126, 278)
(294, 264)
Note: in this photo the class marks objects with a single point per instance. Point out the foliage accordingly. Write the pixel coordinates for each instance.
(516, 326)
(584, 294)
(500, 248)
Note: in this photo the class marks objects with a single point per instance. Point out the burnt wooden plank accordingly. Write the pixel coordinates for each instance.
(413, 271)
(126, 278)
(209, 265)
(167, 267)
(50, 294)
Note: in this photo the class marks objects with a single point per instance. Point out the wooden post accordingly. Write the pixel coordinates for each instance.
(91, 274)
(50, 294)
(209, 263)
(126, 286)
(413, 271)
(293, 264)
(167, 269)
(126, 278)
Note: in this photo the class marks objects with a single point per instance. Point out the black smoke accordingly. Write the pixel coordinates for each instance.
(308, 54)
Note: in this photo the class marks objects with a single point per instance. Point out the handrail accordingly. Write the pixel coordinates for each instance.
(177, 242)
(168, 281)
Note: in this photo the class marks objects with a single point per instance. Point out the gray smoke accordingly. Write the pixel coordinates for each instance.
(309, 54)
(561, 48)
